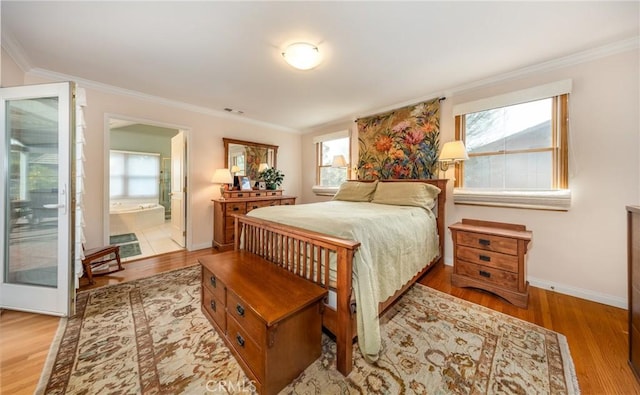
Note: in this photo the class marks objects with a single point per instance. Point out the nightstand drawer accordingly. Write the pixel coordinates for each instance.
(244, 315)
(488, 242)
(486, 274)
(248, 349)
(213, 284)
(214, 307)
(287, 202)
(488, 258)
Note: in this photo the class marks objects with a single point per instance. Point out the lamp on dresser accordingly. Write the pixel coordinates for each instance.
(222, 177)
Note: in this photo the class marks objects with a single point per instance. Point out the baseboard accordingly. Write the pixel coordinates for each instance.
(579, 292)
(201, 246)
(574, 291)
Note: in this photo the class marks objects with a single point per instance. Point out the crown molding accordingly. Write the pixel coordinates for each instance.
(99, 86)
(625, 45)
(629, 44)
(14, 49)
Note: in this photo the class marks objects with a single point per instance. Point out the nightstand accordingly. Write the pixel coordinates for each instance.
(491, 256)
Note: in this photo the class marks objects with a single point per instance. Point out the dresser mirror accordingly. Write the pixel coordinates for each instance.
(245, 157)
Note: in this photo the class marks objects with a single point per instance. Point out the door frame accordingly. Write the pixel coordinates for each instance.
(106, 148)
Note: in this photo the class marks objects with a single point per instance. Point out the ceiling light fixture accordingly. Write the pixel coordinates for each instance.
(302, 56)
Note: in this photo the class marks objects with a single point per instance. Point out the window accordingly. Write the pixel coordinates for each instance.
(329, 172)
(517, 150)
(134, 174)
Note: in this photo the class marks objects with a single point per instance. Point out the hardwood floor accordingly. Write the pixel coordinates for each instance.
(597, 334)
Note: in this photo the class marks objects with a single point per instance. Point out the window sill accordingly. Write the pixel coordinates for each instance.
(320, 190)
(559, 200)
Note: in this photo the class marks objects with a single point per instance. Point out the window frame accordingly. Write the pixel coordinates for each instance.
(558, 197)
(318, 141)
(559, 144)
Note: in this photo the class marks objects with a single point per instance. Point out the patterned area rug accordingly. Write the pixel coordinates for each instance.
(150, 337)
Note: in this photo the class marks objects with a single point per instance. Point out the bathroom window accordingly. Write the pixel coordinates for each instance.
(134, 175)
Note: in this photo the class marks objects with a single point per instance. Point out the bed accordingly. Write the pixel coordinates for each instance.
(353, 247)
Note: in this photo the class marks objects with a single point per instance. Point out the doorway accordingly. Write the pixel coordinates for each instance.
(142, 168)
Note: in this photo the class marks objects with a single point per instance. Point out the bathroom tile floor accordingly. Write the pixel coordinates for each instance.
(154, 241)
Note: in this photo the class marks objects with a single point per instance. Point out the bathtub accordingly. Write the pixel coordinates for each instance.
(127, 217)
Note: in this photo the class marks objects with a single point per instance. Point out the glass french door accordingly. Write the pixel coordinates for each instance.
(36, 192)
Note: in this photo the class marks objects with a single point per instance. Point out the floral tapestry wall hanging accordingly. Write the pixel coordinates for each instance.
(402, 143)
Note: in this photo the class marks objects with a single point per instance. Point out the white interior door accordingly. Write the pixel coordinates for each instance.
(37, 221)
(178, 212)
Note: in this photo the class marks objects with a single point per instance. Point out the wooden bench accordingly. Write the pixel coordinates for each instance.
(269, 318)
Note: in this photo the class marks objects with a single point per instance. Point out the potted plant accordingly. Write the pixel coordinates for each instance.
(272, 178)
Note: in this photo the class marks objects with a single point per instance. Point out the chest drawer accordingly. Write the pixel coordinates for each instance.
(213, 284)
(254, 327)
(215, 307)
(288, 202)
(488, 258)
(490, 275)
(501, 244)
(248, 349)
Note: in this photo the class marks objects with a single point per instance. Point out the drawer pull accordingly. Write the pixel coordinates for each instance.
(484, 258)
(240, 310)
(240, 340)
(484, 242)
(255, 207)
(258, 194)
(240, 195)
(213, 281)
(236, 208)
(213, 305)
(485, 274)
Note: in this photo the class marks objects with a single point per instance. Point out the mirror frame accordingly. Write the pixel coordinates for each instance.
(228, 141)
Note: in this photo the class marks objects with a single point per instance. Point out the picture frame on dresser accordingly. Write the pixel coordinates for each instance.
(245, 184)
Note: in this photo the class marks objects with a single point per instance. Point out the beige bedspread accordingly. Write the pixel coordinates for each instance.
(396, 243)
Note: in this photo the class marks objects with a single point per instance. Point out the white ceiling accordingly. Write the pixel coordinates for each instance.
(220, 55)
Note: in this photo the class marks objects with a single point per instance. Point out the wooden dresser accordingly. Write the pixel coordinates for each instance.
(240, 202)
(633, 275)
(269, 318)
(491, 256)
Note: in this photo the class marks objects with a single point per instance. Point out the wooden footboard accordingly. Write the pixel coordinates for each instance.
(307, 254)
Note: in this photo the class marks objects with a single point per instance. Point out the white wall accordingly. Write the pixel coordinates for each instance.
(205, 153)
(581, 252)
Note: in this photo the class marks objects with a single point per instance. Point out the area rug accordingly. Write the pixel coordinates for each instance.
(150, 337)
(123, 238)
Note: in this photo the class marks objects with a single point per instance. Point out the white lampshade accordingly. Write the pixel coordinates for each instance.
(262, 167)
(453, 151)
(339, 161)
(302, 56)
(222, 176)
